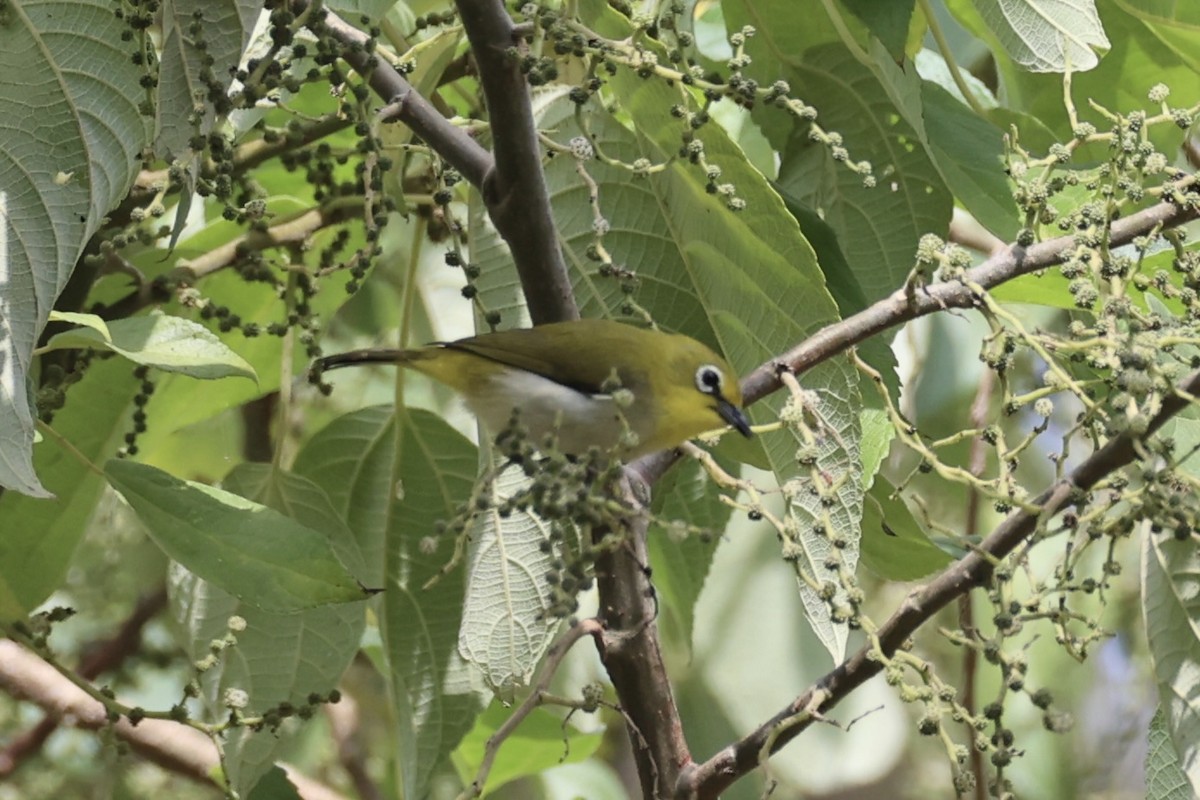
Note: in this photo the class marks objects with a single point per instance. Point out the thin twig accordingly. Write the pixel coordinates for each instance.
(587, 627)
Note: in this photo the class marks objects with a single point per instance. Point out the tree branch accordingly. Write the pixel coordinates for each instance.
(407, 105)
(709, 779)
(100, 658)
(515, 190)
(630, 652)
(175, 747)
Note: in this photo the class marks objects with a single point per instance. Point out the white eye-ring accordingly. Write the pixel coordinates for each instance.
(708, 379)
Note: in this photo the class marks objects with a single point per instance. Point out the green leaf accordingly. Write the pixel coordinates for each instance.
(681, 563)
(505, 629)
(300, 499)
(71, 147)
(1170, 580)
(1165, 778)
(967, 150)
(274, 786)
(878, 228)
(1047, 35)
(168, 343)
(253, 552)
(279, 658)
(844, 286)
(39, 536)
(887, 21)
(393, 477)
(877, 435)
(540, 742)
(894, 545)
(1177, 25)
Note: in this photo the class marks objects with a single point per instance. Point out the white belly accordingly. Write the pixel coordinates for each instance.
(580, 420)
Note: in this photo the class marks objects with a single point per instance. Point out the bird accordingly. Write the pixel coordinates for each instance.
(568, 378)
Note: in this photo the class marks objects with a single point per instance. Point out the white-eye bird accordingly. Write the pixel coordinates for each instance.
(556, 376)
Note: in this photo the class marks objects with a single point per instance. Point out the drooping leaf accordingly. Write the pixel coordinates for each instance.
(505, 629)
(279, 658)
(966, 149)
(681, 559)
(39, 536)
(255, 553)
(393, 477)
(168, 343)
(887, 21)
(1170, 596)
(877, 227)
(894, 545)
(1177, 25)
(274, 786)
(69, 153)
(1171, 612)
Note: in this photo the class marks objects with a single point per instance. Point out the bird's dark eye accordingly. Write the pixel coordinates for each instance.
(708, 379)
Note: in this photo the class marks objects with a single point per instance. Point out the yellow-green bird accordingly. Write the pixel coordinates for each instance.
(555, 376)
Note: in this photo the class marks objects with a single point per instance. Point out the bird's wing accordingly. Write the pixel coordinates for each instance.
(555, 357)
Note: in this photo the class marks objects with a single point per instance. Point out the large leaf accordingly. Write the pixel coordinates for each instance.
(1047, 35)
(393, 477)
(72, 138)
(279, 658)
(878, 228)
(966, 149)
(505, 629)
(1177, 25)
(888, 22)
(1164, 778)
(681, 562)
(39, 536)
(253, 552)
(171, 344)
(1171, 612)
(894, 545)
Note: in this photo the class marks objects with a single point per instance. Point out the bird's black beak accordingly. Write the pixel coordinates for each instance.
(734, 416)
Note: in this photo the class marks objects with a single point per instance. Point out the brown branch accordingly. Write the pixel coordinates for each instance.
(709, 779)
(406, 104)
(344, 724)
(976, 463)
(629, 650)
(100, 657)
(175, 747)
(515, 191)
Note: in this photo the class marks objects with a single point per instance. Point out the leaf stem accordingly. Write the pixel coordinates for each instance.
(939, 37)
(47, 430)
